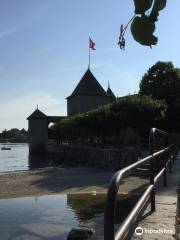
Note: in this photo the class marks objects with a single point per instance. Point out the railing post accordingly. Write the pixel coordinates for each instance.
(173, 157)
(165, 169)
(170, 166)
(164, 177)
(153, 207)
(151, 151)
(110, 206)
(167, 141)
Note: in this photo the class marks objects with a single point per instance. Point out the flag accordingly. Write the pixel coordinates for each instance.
(91, 44)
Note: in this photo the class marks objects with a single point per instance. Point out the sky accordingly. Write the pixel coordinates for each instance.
(44, 52)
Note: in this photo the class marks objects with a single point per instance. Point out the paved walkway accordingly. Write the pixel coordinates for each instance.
(161, 224)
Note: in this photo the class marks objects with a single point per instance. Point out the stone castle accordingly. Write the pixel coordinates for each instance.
(87, 95)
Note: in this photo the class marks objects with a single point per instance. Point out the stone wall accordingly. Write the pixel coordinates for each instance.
(107, 159)
(84, 103)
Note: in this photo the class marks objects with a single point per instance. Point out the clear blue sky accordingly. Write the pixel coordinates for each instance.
(44, 52)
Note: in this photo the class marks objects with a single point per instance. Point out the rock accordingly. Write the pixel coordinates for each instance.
(80, 233)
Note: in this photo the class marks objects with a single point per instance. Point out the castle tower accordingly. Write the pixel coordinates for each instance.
(87, 95)
(110, 92)
(37, 131)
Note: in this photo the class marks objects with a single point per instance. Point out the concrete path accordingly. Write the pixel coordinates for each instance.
(161, 224)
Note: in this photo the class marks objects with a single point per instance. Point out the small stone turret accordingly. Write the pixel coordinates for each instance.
(110, 92)
(37, 131)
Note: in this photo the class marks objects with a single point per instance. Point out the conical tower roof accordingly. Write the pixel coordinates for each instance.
(110, 93)
(88, 85)
(37, 114)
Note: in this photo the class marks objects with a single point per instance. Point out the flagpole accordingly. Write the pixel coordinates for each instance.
(89, 56)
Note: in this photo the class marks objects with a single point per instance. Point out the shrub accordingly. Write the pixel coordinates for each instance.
(135, 111)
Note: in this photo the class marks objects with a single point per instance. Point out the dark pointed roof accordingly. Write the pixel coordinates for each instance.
(110, 92)
(88, 85)
(37, 114)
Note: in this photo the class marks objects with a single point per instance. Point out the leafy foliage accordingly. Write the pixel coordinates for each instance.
(162, 81)
(159, 5)
(143, 23)
(141, 6)
(138, 112)
(142, 29)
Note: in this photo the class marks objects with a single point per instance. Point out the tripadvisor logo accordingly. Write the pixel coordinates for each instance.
(139, 231)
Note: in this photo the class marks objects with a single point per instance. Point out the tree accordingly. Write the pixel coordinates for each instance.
(143, 22)
(162, 81)
(23, 131)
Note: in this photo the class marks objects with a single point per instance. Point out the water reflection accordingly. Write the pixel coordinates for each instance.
(46, 217)
(86, 206)
(52, 217)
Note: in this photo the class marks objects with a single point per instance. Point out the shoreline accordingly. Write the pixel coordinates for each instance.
(56, 180)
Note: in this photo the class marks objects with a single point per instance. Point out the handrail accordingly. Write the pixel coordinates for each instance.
(109, 214)
(153, 131)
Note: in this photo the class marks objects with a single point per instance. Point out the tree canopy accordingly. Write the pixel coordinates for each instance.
(162, 81)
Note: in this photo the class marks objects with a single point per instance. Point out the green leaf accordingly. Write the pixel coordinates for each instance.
(142, 29)
(159, 5)
(141, 6)
(154, 16)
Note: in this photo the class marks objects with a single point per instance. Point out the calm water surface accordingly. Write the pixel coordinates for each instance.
(49, 217)
(52, 217)
(18, 158)
(14, 159)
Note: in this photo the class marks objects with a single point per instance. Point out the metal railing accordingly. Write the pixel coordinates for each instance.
(168, 155)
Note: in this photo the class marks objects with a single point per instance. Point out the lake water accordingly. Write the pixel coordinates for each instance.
(52, 217)
(14, 159)
(18, 158)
